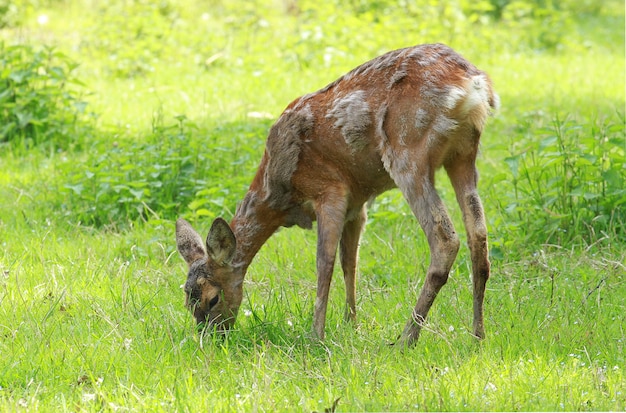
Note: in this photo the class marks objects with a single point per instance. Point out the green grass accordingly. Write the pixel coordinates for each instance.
(94, 321)
(91, 311)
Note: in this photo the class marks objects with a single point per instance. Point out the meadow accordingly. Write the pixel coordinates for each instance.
(118, 117)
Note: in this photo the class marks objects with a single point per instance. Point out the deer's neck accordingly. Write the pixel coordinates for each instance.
(253, 224)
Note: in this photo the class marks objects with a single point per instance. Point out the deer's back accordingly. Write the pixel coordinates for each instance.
(401, 113)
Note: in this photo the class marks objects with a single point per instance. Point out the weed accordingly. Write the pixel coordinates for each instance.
(168, 173)
(569, 185)
(37, 103)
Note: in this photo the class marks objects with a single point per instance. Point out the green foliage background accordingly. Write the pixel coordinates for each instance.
(118, 117)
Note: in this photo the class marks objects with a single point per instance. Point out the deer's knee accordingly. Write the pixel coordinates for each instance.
(453, 244)
(444, 249)
(446, 244)
(437, 278)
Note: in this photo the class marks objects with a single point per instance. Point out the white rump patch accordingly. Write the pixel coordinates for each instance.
(477, 94)
(455, 94)
(472, 101)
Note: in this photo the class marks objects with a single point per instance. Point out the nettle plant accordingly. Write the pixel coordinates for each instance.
(571, 183)
(172, 175)
(37, 100)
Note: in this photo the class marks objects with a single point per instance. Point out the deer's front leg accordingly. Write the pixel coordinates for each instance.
(330, 222)
(349, 254)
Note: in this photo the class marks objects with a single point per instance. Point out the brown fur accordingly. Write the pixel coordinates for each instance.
(282, 151)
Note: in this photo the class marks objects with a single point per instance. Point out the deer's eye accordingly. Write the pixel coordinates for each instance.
(214, 301)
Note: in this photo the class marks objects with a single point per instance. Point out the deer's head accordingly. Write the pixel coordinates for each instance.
(213, 291)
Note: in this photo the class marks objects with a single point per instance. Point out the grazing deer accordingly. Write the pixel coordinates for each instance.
(391, 122)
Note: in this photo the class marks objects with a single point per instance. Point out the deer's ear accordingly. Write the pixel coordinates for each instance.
(221, 242)
(189, 242)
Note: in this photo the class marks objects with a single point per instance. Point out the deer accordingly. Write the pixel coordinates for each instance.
(391, 122)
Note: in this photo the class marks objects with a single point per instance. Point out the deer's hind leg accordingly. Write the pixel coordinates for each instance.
(349, 255)
(464, 177)
(420, 192)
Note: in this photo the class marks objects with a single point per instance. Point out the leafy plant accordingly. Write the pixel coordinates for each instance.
(37, 103)
(172, 171)
(571, 183)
